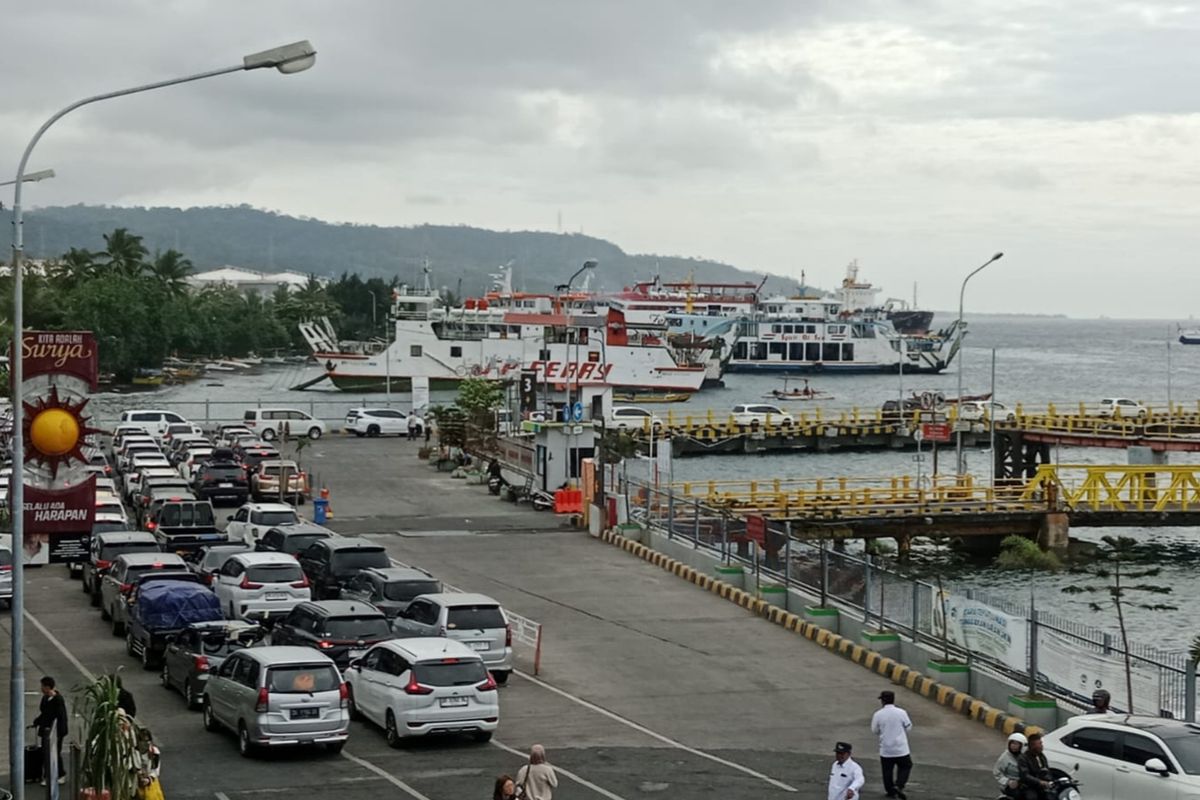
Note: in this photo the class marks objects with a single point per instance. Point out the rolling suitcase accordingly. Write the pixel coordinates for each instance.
(35, 763)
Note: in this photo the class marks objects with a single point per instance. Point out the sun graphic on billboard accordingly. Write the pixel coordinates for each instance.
(55, 431)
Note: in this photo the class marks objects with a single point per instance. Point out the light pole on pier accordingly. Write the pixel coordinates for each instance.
(958, 452)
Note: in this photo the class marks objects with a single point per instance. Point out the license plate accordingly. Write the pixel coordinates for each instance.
(277, 596)
(452, 702)
(305, 713)
(481, 646)
(226, 486)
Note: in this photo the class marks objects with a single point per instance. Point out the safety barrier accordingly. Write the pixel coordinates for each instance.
(568, 501)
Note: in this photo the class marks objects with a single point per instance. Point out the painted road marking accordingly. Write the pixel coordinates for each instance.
(50, 637)
(387, 776)
(561, 771)
(655, 735)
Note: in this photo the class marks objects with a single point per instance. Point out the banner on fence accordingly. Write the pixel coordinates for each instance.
(1066, 662)
(985, 630)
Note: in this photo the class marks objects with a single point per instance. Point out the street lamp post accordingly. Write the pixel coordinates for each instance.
(291, 58)
(958, 451)
(32, 177)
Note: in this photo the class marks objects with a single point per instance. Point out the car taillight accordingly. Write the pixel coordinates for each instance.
(508, 635)
(201, 663)
(246, 584)
(325, 644)
(487, 686)
(126, 588)
(344, 695)
(263, 697)
(102, 564)
(151, 524)
(302, 583)
(6, 568)
(415, 688)
(208, 579)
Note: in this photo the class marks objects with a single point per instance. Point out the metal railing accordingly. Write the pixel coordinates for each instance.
(882, 596)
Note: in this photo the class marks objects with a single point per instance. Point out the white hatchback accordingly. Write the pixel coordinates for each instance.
(1126, 757)
(1123, 407)
(258, 586)
(418, 687)
(632, 418)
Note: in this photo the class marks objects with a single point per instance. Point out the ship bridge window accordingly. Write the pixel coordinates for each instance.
(714, 311)
(776, 329)
(414, 350)
(795, 352)
(812, 351)
(739, 351)
(456, 351)
(836, 330)
(772, 309)
(831, 352)
(847, 352)
(778, 349)
(758, 351)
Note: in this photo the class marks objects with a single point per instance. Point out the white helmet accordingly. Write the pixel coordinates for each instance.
(1018, 737)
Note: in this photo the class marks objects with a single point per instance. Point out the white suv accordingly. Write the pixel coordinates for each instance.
(1122, 407)
(378, 422)
(152, 421)
(417, 687)
(760, 414)
(251, 521)
(260, 586)
(270, 423)
(1126, 757)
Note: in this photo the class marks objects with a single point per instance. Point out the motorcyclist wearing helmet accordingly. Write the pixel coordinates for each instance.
(1101, 700)
(1006, 772)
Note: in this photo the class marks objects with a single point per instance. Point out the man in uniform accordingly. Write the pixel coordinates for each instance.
(846, 777)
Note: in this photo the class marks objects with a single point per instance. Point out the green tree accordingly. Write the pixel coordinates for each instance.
(172, 269)
(124, 253)
(1115, 573)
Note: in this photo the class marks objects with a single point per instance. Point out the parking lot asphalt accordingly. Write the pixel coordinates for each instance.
(649, 686)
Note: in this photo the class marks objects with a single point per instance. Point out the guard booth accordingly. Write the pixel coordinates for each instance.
(559, 449)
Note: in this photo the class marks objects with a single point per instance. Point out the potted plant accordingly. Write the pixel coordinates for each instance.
(109, 761)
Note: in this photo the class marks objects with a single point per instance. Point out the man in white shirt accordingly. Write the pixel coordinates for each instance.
(846, 778)
(891, 725)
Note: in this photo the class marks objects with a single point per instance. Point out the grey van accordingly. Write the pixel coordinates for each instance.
(278, 696)
(476, 620)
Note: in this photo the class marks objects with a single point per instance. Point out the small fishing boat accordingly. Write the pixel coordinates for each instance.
(148, 378)
(1189, 336)
(805, 393)
(218, 366)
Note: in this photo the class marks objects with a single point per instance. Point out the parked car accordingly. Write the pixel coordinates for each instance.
(330, 564)
(760, 414)
(252, 520)
(6, 586)
(265, 481)
(110, 505)
(149, 452)
(277, 696)
(213, 557)
(632, 418)
(251, 454)
(189, 460)
(123, 576)
(181, 444)
(106, 523)
(270, 423)
(981, 410)
(183, 525)
(103, 551)
(340, 629)
(180, 429)
(200, 648)
(293, 539)
(1123, 408)
(160, 609)
(96, 458)
(378, 422)
(260, 586)
(153, 487)
(474, 619)
(1124, 757)
(418, 687)
(390, 589)
(226, 433)
(153, 421)
(221, 480)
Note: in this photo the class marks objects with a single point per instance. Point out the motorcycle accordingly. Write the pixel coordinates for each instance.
(541, 501)
(1065, 786)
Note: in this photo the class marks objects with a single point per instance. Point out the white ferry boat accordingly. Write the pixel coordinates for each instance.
(814, 334)
(563, 346)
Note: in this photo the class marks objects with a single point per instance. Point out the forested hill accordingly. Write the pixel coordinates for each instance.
(247, 237)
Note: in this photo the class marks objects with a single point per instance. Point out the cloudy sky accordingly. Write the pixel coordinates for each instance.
(918, 136)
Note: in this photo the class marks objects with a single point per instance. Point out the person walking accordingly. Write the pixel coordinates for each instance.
(846, 777)
(537, 779)
(506, 788)
(52, 713)
(414, 427)
(125, 700)
(1007, 771)
(891, 724)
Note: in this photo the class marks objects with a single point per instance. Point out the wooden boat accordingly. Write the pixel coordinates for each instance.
(148, 379)
(651, 397)
(806, 393)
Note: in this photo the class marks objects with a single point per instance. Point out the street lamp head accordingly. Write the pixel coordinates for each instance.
(40, 175)
(289, 59)
(998, 256)
(591, 264)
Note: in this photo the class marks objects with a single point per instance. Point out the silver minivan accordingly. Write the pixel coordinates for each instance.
(278, 696)
(476, 620)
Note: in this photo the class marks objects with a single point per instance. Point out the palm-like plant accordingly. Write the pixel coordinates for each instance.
(124, 252)
(75, 265)
(110, 757)
(171, 269)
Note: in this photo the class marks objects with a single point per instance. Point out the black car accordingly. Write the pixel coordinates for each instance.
(104, 549)
(330, 564)
(222, 480)
(251, 454)
(391, 589)
(155, 487)
(200, 648)
(339, 629)
(183, 525)
(292, 539)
